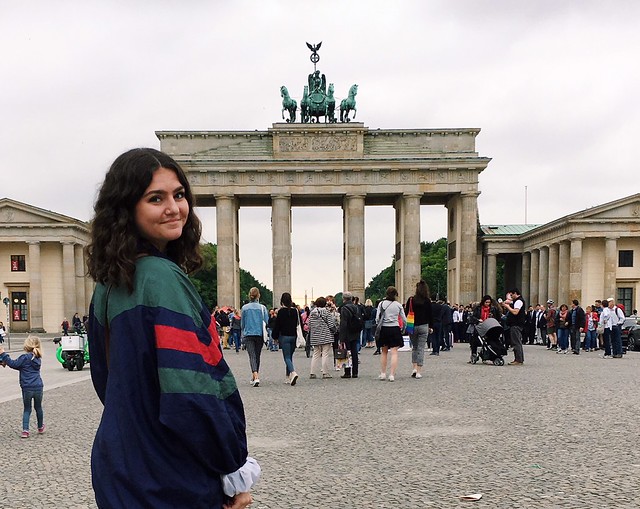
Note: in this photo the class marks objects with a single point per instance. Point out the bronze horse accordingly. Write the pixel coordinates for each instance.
(348, 104)
(288, 104)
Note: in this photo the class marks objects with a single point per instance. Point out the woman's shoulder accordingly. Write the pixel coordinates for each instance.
(158, 282)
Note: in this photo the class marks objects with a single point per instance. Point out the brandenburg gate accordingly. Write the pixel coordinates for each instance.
(346, 165)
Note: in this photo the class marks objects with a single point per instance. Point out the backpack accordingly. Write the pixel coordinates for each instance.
(355, 323)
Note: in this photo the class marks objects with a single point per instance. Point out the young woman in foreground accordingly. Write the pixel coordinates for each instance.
(172, 433)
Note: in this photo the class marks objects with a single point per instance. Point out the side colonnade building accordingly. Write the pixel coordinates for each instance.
(42, 267)
(588, 255)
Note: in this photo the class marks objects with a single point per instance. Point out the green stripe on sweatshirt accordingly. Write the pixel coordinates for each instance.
(187, 381)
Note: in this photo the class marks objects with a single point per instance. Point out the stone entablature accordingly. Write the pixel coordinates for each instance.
(309, 141)
(308, 160)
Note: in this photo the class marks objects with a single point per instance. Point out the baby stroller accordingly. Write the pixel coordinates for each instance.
(489, 338)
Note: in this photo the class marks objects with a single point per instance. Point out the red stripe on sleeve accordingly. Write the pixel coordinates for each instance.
(172, 338)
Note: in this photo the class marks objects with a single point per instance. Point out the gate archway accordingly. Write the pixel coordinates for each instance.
(344, 165)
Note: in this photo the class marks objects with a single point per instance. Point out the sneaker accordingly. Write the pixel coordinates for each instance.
(418, 375)
(255, 382)
(294, 379)
(312, 376)
(326, 375)
(607, 357)
(382, 376)
(41, 430)
(392, 378)
(24, 434)
(414, 373)
(618, 356)
(515, 363)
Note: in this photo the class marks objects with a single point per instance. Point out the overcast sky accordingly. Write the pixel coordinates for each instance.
(552, 84)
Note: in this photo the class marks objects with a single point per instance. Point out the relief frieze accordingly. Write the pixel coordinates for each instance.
(318, 144)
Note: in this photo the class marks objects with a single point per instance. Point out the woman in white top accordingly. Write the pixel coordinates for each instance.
(390, 311)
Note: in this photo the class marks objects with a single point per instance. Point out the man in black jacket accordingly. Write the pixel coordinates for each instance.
(515, 307)
(350, 337)
(578, 319)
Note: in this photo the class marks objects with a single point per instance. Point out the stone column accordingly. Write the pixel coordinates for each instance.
(411, 266)
(492, 275)
(88, 291)
(80, 277)
(468, 248)
(526, 274)
(610, 266)
(227, 258)
(535, 277)
(575, 270)
(281, 256)
(553, 273)
(35, 288)
(563, 271)
(353, 242)
(543, 279)
(68, 279)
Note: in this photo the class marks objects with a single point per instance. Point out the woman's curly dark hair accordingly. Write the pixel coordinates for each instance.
(115, 241)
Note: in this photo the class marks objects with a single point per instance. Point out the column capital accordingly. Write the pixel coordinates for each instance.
(33, 242)
(412, 195)
(355, 195)
(281, 196)
(612, 237)
(224, 196)
(576, 236)
(470, 194)
(67, 242)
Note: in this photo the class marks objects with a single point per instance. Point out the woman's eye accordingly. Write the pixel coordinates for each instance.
(179, 195)
(154, 199)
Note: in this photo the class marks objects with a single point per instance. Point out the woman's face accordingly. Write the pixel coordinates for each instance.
(487, 303)
(162, 211)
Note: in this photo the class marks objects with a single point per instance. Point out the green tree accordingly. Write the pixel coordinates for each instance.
(206, 280)
(378, 285)
(247, 281)
(433, 262)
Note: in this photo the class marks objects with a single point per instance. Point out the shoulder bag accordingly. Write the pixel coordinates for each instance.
(410, 318)
(300, 341)
(379, 325)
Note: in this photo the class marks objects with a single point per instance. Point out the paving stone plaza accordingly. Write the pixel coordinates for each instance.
(560, 431)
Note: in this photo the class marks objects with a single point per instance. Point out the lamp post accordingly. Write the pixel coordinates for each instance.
(6, 303)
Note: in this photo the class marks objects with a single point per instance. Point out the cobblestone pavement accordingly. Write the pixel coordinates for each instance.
(559, 432)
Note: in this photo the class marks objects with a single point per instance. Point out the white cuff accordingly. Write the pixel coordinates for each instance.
(242, 480)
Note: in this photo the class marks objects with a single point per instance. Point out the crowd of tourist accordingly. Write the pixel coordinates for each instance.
(433, 325)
